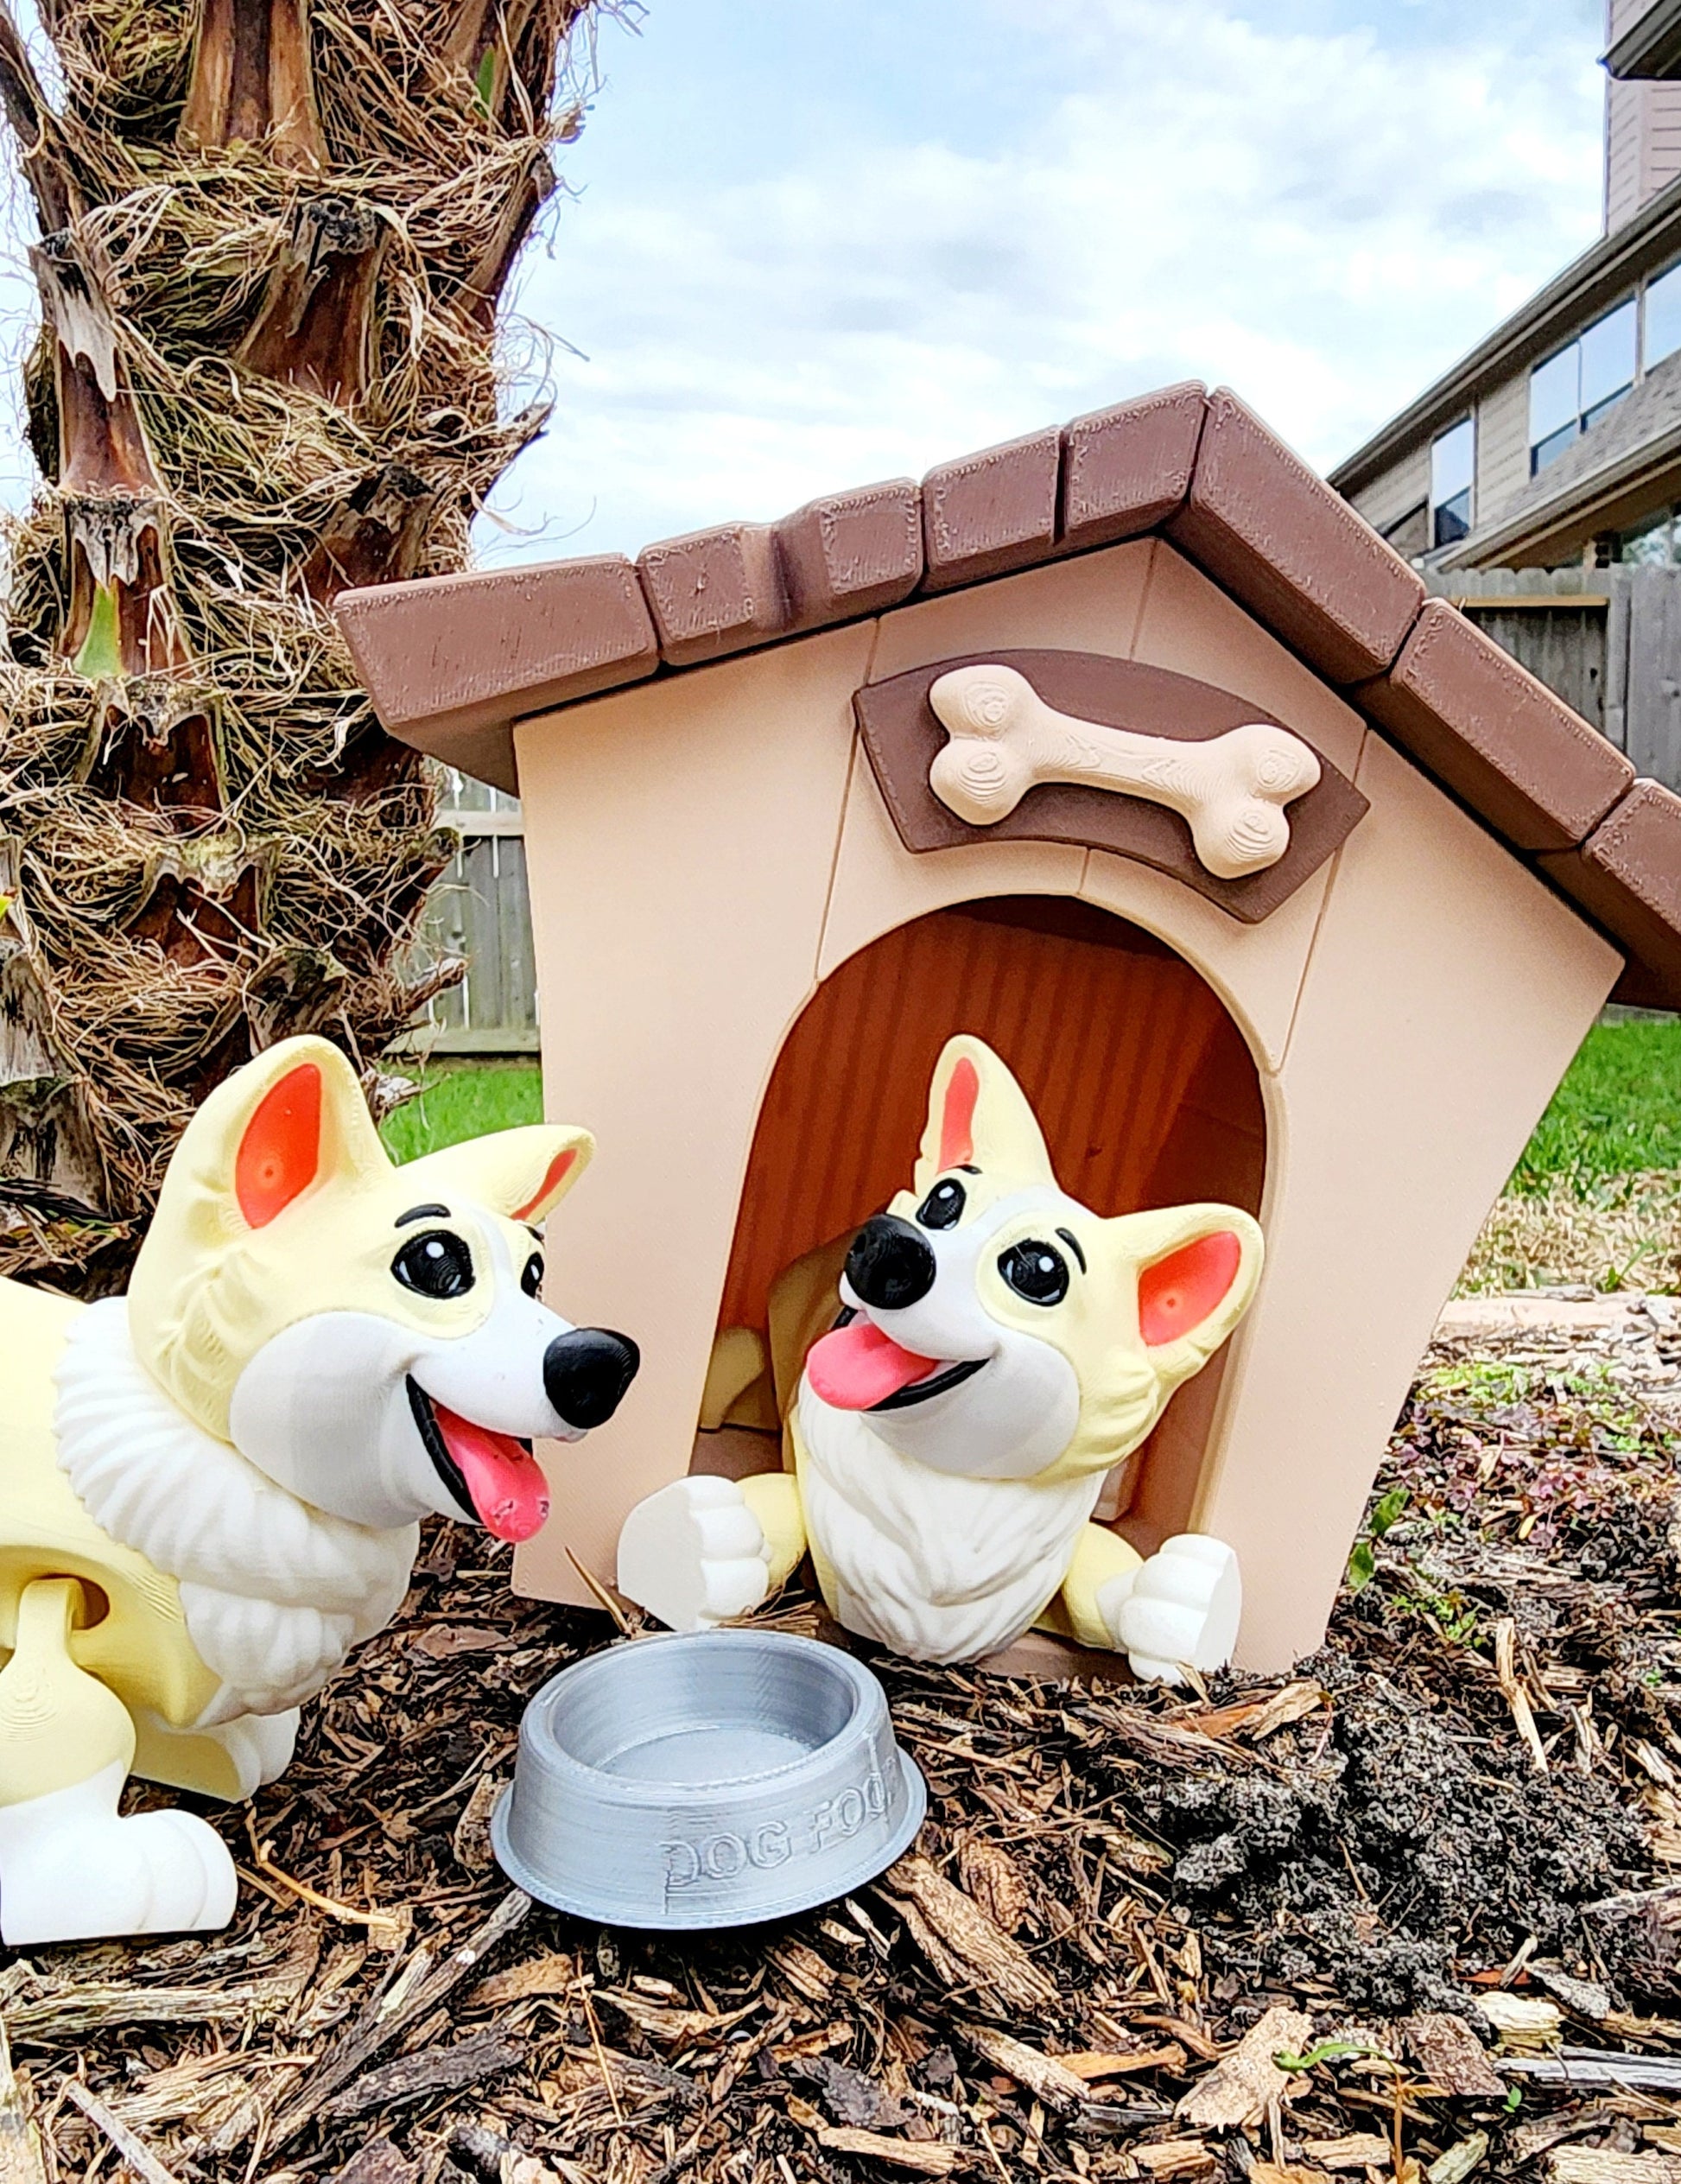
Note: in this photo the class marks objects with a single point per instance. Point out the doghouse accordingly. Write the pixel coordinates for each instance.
(756, 923)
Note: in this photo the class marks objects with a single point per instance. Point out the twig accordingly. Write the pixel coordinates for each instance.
(266, 1866)
(600, 2058)
(601, 1594)
(144, 2163)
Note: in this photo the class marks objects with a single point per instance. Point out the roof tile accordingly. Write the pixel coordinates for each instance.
(469, 655)
(1627, 877)
(993, 511)
(1285, 545)
(851, 554)
(1124, 470)
(712, 592)
(1483, 726)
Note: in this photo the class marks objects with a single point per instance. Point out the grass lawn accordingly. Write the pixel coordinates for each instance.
(465, 1100)
(1617, 1111)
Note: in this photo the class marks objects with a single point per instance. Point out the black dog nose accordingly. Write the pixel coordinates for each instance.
(586, 1373)
(890, 1264)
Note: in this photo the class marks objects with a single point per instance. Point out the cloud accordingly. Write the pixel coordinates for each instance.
(818, 242)
(1320, 209)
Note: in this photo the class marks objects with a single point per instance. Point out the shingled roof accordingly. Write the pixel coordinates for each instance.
(451, 662)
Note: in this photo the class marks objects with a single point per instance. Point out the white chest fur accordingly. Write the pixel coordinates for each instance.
(939, 1568)
(275, 1593)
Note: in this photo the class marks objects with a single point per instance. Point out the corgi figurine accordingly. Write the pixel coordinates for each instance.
(999, 1350)
(211, 1488)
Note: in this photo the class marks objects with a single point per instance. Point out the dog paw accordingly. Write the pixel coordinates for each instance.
(693, 1554)
(71, 1870)
(1181, 1609)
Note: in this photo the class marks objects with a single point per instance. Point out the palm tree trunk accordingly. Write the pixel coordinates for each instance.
(274, 235)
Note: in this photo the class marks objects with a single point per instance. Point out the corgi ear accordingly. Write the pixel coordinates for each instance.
(292, 1118)
(521, 1173)
(1197, 1271)
(978, 1117)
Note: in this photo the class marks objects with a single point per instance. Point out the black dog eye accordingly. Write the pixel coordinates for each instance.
(1036, 1271)
(434, 1265)
(943, 1206)
(531, 1279)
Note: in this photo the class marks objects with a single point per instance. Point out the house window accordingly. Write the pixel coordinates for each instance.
(1663, 317)
(1652, 543)
(1574, 389)
(1409, 534)
(1452, 464)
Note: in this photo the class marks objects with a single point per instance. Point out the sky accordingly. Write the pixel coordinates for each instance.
(810, 243)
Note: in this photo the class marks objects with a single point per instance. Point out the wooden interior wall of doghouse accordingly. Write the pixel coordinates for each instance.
(749, 958)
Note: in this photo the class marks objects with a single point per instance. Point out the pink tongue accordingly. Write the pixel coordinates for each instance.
(857, 1366)
(503, 1479)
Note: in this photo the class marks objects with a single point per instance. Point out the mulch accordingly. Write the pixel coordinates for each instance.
(1410, 1914)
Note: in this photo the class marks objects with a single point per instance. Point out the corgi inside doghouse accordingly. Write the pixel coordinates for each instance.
(989, 754)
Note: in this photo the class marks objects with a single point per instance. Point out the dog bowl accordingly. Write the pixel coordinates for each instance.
(709, 1780)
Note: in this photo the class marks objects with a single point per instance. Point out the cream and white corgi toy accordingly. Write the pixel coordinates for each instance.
(1000, 1348)
(211, 1488)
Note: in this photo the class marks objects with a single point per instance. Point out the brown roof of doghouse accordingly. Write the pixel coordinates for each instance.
(451, 662)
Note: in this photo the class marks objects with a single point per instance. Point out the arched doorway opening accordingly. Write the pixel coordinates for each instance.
(1144, 1086)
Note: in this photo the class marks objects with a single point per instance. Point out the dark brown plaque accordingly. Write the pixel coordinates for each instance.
(903, 737)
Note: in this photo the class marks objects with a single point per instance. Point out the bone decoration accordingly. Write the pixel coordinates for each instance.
(1231, 789)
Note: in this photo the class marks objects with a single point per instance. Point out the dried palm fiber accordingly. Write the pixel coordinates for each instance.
(273, 238)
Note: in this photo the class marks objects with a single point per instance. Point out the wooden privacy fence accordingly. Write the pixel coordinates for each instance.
(480, 909)
(1608, 640)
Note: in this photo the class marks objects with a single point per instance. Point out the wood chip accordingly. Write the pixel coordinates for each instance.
(1359, 2149)
(960, 1940)
(1459, 2160)
(803, 1969)
(1452, 2055)
(1173, 2157)
(19, 2141)
(137, 2157)
(552, 1973)
(1236, 2090)
(429, 2070)
(1582, 1997)
(1520, 2021)
(1088, 2064)
(1515, 1692)
(378, 2163)
(1044, 2076)
(1602, 2165)
(926, 2157)
(444, 1640)
(471, 1841)
(991, 1876)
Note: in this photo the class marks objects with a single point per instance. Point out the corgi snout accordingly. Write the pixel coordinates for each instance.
(890, 1264)
(586, 1372)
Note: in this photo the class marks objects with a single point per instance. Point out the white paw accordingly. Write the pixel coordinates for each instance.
(260, 1746)
(1182, 1608)
(71, 1870)
(693, 1554)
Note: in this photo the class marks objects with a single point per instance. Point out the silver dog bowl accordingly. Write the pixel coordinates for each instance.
(709, 1780)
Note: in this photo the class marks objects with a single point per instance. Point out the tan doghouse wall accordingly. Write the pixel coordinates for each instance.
(705, 850)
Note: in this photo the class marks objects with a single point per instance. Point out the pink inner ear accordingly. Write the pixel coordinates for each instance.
(957, 1117)
(553, 1176)
(282, 1147)
(1178, 1292)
